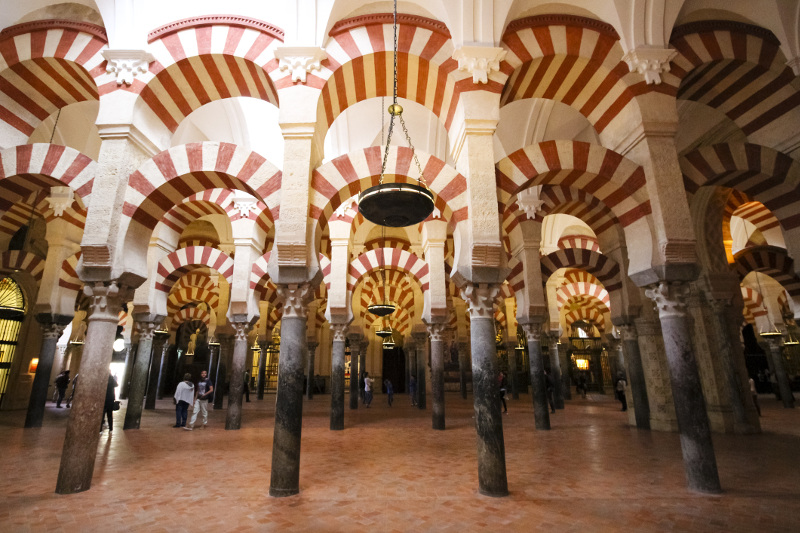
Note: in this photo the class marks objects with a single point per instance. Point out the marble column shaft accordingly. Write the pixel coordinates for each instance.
(463, 349)
(541, 411)
(513, 381)
(355, 349)
(735, 393)
(133, 414)
(436, 332)
(52, 329)
(555, 372)
(564, 364)
(312, 351)
(337, 376)
(225, 349)
(699, 460)
(125, 383)
(261, 376)
(422, 365)
(233, 418)
(362, 361)
(776, 351)
(159, 344)
(636, 380)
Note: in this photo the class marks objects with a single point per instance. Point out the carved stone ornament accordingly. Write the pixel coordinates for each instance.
(127, 64)
(480, 61)
(296, 298)
(628, 332)
(245, 205)
(480, 299)
(106, 299)
(529, 200)
(670, 298)
(533, 332)
(147, 330)
(436, 331)
(240, 331)
(52, 330)
(339, 332)
(60, 199)
(300, 60)
(312, 345)
(650, 62)
(794, 64)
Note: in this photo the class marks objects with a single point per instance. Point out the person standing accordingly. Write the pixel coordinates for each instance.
(108, 405)
(501, 393)
(549, 388)
(62, 380)
(412, 389)
(389, 391)
(203, 392)
(622, 385)
(184, 396)
(754, 395)
(367, 389)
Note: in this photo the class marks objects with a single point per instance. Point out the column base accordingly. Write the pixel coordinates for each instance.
(282, 493)
(494, 494)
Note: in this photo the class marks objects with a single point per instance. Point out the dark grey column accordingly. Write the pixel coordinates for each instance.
(564, 364)
(82, 436)
(421, 342)
(52, 329)
(492, 479)
(362, 358)
(698, 450)
(436, 332)
(285, 475)
(407, 355)
(125, 384)
(463, 365)
(159, 343)
(233, 418)
(776, 352)
(223, 365)
(636, 380)
(162, 369)
(513, 382)
(261, 378)
(355, 349)
(337, 376)
(541, 412)
(555, 371)
(146, 326)
(312, 350)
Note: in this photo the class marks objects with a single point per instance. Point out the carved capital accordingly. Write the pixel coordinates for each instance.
(245, 205)
(296, 298)
(436, 332)
(480, 299)
(628, 332)
(127, 64)
(312, 345)
(300, 60)
(533, 331)
(670, 298)
(60, 199)
(650, 62)
(530, 201)
(147, 330)
(339, 332)
(480, 61)
(240, 331)
(106, 299)
(52, 330)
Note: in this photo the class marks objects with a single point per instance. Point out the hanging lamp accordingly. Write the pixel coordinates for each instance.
(384, 332)
(396, 204)
(384, 308)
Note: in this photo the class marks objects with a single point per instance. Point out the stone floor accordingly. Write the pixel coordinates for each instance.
(388, 471)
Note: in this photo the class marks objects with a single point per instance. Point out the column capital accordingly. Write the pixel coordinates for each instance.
(146, 329)
(300, 60)
(650, 62)
(106, 299)
(296, 298)
(60, 199)
(480, 299)
(480, 61)
(436, 332)
(533, 331)
(339, 332)
(52, 330)
(127, 64)
(669, 297)
(240, 330)
(628, 332)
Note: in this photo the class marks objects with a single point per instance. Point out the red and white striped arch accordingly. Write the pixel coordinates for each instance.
(16, 260)
(190, 314)
(68, 276)
(389, 242)
(260, 281)
(19, 214)
(605, 269)
(736, 68)
(573, 60)
(587, 314)
(360, 60)
(184, 171)
(46, 65)
(208, 58)
(585, 242)
(399, 291)
(179, 297)
(573, 275)
(783, 304)
(582, 289)
(753, 305)
(609, 177)
(388, 258)
(515, 281)
(200, 280)
(762, 173)
(740, 205)
(772, 261)
(180, 262)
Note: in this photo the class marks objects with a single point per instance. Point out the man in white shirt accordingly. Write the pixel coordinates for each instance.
(367, 389)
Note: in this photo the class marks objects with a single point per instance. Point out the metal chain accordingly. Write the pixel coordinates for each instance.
(394, 101)
(413, 152)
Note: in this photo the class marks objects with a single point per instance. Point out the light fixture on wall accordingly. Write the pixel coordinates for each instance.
(384, 308)
(396, 204)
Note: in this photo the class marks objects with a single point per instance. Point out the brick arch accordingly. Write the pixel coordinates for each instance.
(571, 59)
(579, 241)
(191, 209)
(388, 258)
(587, 314)
(761, 173)
(605, 269)
(208, 58)
(772, 261)
(20, 212)
(182, 261)
(574, 275)
(68, 276)
(188, 315)
(399, 291)
(753, 305)
(179, 297)
(736, 68)
(338, 180)
(569, 291)
(17, 260)
(46, 65)
(183, 171)
(199, 280)
(607, 176)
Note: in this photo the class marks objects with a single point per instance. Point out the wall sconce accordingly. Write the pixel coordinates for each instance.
(33, 366)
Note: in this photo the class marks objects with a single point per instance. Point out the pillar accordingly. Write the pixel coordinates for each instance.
(541, 412)
(159, 343)
(636, 381)
(233, 418)
(513, 381)
(225, 356)
(162, 370)
(776, 352)
(564, 364)
(355, 349)
(261, 380)
(80, 443)
(312, 350)
(463, 365)
(52, 329)
(555, 371)
(285, 475)
(421, 342)
(337, 376)
(133, 414)
(436, 332)
(699, 460)
(127, 372)
(492, 479)
(362, 359)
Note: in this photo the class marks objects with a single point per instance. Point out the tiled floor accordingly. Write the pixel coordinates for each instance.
(388, 471)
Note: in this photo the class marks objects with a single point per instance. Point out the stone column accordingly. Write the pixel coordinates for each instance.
(337, 376)
(362, 358)
(555, 371)
(80, 442)
(147, 328)
(463, 365)
(261, 379)
(541, 412)
(285, 475)
(511, 348)
(312, 350)
(355, 349)
(564, 363)
(421, 342)
(233, 418)
(635, 371)
(127, 372)
(776, 351)
(408, 350)
(52, 329)
(162, 370)
(436, 332)
(698, 450)
(492, 480)
(156, 363)
(225, 349)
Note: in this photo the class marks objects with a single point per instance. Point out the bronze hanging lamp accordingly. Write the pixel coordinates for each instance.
(384, 308)
(396, 204)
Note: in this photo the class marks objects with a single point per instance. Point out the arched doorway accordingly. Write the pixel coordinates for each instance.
(12, 313)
